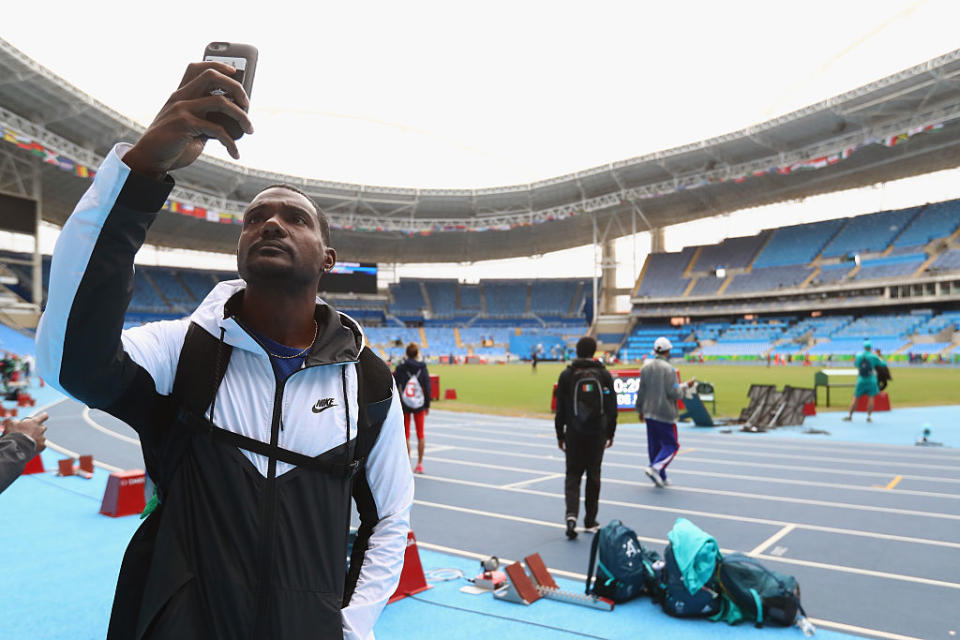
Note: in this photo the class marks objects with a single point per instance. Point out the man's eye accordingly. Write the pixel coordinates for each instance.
(300, 220)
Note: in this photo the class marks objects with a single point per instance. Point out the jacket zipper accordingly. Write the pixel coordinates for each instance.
(269, 519)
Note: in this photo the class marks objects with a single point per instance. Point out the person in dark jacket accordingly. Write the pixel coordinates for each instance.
(414, 398)
(21, 441)
(585, 422)
(259, 416)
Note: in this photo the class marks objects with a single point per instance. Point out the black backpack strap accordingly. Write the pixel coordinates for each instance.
(594, 546)
(200, 371)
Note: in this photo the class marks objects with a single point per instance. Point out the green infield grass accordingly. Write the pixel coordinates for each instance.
(513, 389)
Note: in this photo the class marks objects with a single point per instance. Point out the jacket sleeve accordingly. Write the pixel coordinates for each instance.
(81, 346)
(610, 406)
(560, 417)
(641, 392)
(16, 450)
(384, 498)
(425, 383)
(671, 387)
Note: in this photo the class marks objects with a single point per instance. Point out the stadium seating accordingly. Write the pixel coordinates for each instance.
(407, 297)
(552, 297)
(443, 297)
(640, 341)
(946, 262)
(797, 244)
(706, 285)
(832, 273)
(890, 267)
(869, 233)
(663, 274)
(937, 220)
(732, 253)
(505, 298)
(768, 279)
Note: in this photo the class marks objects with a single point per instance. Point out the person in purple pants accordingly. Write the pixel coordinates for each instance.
(657, 397)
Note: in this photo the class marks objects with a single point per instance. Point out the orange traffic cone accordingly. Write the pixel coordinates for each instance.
(412, 579)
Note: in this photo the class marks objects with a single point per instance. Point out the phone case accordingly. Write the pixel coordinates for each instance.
(242, 57)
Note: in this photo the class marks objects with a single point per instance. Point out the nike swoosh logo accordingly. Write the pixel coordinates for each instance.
(323, 405)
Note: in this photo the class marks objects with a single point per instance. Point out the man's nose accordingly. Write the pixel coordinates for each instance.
(273, 226)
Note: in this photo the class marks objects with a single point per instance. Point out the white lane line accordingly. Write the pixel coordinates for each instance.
(504, 516)
(710, 514)
(763, 546)
(113, 434)
(731, 476)
(862, 572)
(439, 447)
(619, 451)
(688, 458)
(627, 432)
(549, 476)
(798, 562)
(74, 454)
(840, 626)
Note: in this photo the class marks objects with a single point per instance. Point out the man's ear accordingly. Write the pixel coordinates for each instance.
(329, 259)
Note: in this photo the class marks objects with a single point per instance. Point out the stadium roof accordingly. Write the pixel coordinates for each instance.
(905, 124)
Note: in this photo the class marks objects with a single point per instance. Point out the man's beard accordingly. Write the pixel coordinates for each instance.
(283, 277)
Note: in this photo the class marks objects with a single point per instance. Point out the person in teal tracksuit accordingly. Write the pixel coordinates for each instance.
(866, 363)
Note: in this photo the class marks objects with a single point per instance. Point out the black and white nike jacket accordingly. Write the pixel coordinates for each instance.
(244, 544)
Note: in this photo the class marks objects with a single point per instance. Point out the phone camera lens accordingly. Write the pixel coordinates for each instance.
(219, 46)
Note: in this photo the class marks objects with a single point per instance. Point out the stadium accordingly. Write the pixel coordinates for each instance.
(859, 514)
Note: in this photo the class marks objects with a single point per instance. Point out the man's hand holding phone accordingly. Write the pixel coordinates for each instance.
(177, 135)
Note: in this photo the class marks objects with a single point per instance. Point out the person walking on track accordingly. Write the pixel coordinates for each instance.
(867, 364)
(585, 422)
(657, 396)
(413, 381)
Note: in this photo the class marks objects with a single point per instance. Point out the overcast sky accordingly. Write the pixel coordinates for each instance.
(445, 94)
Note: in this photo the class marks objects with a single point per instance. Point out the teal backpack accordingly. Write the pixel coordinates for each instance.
(624, 568)
(754, 593)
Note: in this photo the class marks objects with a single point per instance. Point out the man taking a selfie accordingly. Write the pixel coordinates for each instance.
(259, 415)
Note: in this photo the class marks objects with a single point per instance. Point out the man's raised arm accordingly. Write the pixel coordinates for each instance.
(79, 347)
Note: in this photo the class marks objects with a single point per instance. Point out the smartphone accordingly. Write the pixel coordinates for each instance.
(243, 58)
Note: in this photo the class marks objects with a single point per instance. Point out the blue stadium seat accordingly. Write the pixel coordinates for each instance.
(797, 244)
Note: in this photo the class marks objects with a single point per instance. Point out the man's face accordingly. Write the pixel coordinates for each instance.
(281, 240)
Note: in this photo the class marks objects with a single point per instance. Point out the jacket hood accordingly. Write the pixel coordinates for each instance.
(586, 363)
(339, 338)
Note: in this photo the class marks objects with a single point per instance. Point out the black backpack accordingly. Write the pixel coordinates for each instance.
(763, 596)
(587, 390)
(677, 599)
(865, 368)
(624, 568)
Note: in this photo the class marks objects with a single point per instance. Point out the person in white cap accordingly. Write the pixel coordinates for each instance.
(657, 397)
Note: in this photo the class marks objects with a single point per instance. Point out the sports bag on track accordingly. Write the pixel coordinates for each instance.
(624, 569)
(677, 599)
(763, 596)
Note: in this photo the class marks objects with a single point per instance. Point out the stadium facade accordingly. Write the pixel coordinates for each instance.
(53, 136)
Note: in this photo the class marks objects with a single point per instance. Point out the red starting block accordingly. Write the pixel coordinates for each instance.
(34, 465)
(450, 394)
(65, 467)
(809, 409)
(124, 494)
(881, 402)
(412, 579)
